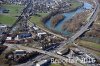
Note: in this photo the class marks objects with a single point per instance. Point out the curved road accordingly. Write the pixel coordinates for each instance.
(25, 13)
(82, 30)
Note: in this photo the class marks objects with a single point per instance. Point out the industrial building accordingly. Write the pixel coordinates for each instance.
(19, 38)
(3, 28)
(63, 51)
(20, 52)
(44, 63)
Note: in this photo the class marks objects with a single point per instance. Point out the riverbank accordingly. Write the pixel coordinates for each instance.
(69, 15)
(56, 20)
(75, 23)
(43, 27)
(40, 21)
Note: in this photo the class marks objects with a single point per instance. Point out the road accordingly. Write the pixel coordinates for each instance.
(49, 31)
(44, 55)
(84, 28)
(25, 13)
(37, 50)
(80, 32)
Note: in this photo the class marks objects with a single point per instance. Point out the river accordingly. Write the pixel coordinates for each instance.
(69, 15)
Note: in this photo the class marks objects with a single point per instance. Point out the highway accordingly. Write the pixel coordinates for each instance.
(61, 58)
(44, 55)
(52, 54)
(84, 28)
(80, 32)
(75, 36)
(40, 51)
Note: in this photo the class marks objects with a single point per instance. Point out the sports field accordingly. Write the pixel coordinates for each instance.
(10, 18)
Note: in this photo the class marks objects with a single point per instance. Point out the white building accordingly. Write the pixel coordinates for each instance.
(43, 62)
(41, 33)
(63, 51)
(8, 38)
(3, 28)
(20, 52)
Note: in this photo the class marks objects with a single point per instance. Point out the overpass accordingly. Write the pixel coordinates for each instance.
(75, 36)
(38, 50)
(46, 54)
(80, 32)
(84, 28)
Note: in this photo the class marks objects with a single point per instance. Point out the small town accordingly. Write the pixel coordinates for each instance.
(49, 33)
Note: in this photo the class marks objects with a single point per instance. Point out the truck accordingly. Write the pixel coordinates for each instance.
(63, 51)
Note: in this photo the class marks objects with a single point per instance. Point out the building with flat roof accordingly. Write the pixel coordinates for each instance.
(63, 51)
(3, 28)
(44, 63)
(20, 52)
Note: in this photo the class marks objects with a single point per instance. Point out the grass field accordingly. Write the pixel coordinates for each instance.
(74, 4)
(37, 19)
(43, 14)
(55, 65)
(9, 18)
(90, 45)
(13, 9)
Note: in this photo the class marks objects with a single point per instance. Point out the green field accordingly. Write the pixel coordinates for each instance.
(90, 45)
(55, 65)
(43, 14)
(74, 3)
(10, 18)
(13, 9)
(37, 19)
(7, 19)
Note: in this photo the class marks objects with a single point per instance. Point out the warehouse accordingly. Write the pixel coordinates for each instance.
(3, 28)
(20, 52)
(24, 35)
(63, 51)
(44, 62)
